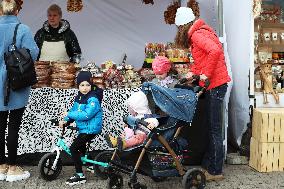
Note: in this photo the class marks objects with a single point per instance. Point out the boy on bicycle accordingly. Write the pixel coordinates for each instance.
(87, 114)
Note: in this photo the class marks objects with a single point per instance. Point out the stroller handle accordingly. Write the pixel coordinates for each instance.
(196, 77)
(184, 80)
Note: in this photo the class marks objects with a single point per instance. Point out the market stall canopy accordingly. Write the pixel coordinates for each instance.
(107, 29)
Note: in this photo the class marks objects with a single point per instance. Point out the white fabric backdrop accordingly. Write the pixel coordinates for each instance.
(107, 28)
(237, 15)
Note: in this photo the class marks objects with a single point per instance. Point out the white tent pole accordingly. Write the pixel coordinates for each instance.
(251, 60)
(220, 32)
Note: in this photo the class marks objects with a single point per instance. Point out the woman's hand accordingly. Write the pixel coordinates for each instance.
(64, 114)
(203, 77)
(189, 77)
(151, 126)
(61, 123)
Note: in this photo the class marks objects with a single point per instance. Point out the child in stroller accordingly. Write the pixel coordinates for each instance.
(179, 105)
(138, 107)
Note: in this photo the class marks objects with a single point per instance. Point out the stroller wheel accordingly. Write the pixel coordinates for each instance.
(194, 179)
(115, 182)
(45, 167)
(105, 157)
(159, 179)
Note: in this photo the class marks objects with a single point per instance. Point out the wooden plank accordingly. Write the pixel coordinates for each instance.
(275, 48)
(253, 154)
(255, 123)
(268, 124)
(276, 155)
(263, 129)
(277, 125)
(270, 128)
(281, 133)
(265, 164)
(272, 25)
(266, 156)
(281, 157)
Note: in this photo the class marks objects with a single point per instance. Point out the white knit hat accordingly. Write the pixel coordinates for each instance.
(139, 103)
(184, 15)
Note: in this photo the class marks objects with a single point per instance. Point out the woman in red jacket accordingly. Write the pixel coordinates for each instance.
(209, 63)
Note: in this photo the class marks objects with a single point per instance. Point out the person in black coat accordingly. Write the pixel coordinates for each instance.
(56, 41)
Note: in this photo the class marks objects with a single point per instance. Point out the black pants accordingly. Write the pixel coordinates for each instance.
(78, 148)
(15, 118)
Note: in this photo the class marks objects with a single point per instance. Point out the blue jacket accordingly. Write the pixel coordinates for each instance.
(87, 113)
(17, 99)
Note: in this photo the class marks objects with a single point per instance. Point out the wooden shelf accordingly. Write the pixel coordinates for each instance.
(271, 101)
(275, 47)
(271, 25)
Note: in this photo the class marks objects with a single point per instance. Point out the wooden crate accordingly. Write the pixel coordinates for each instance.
(268, 124)
(266, 156)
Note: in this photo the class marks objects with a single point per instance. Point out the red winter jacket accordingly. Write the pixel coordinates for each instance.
(208, 54)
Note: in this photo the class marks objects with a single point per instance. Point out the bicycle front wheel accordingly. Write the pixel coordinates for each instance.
(45, 167)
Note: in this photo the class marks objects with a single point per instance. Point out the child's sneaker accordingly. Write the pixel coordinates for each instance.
(111, 141)
(16, 173)
(90, 169)
(76, 179)
(3, 171)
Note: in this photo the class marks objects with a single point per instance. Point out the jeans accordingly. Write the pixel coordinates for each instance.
(213, 159)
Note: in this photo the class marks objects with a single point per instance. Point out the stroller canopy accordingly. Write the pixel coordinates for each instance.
(177, 103)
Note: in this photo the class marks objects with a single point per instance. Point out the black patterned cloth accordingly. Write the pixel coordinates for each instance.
(37, 134)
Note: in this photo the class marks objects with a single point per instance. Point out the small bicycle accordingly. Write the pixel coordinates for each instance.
(50, 165)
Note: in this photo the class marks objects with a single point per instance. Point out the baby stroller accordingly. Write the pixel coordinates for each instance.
(159, 157)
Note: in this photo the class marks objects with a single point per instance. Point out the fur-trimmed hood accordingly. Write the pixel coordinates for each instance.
(64, 25)
(62, 33)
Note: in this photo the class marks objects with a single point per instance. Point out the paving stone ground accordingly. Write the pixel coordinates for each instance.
(237, 177)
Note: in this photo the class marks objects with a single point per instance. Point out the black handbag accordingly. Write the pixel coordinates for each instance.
(20, 67)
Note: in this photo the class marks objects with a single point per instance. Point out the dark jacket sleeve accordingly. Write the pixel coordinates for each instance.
(72, 44)
(39, 40)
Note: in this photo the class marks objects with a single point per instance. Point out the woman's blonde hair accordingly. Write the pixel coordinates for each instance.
(55, 8)
(9, 7)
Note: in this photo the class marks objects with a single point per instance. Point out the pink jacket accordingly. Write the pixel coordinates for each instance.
(208, 54)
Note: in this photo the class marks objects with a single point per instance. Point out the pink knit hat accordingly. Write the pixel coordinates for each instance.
(161, 65)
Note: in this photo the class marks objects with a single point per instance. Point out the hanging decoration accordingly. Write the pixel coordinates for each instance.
(195, 7)
(74, 5)
(148, 1)
(256, 8)
(170, 13)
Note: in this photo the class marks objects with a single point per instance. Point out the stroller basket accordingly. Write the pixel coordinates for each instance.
(163, 164)
(162, 161)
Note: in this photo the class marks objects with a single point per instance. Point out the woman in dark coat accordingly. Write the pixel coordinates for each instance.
(56, 41)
